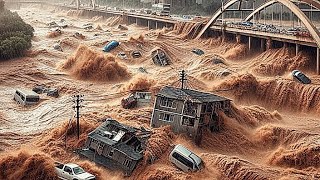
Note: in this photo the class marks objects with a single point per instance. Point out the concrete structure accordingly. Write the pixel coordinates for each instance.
(314, 41)
(188, 111)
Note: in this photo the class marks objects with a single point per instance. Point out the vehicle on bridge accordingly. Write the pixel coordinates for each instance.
(161, 9)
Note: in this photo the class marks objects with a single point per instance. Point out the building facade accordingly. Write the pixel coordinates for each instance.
(188, 111)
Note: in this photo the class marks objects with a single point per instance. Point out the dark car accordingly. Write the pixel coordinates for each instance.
(300, 77)
(136, 54)
(198, 52)
(39, 89)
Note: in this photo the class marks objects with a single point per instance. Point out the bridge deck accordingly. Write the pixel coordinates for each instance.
(266, 35)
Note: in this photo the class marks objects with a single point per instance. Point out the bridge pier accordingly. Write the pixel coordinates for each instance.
(297, 49)
(238, 38)
(269, 44)
(250, 43)
(262, 44)
(318, 61)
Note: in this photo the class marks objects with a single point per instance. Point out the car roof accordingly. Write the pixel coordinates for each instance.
(183, 150)
(27, 92)
(72, 165)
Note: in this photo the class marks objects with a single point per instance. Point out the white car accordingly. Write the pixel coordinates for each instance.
(185, 159)
(72, 172)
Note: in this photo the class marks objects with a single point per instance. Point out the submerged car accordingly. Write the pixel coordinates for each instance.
(198, 52)
(111, 45)
(184, 159)
(300, 77)
(122, 55)
(136, 54)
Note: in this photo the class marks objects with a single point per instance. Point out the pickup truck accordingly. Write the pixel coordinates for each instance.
(72, 172)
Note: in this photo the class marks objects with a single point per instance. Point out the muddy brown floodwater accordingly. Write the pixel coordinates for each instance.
(274, 132)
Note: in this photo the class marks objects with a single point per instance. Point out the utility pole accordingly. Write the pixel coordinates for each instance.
(78, 99)
(183, 78)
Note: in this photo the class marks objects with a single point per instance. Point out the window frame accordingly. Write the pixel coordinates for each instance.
(162, 115)
(166, 104)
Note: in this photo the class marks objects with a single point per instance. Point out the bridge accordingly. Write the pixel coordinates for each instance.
(248, 28)
(262, 24)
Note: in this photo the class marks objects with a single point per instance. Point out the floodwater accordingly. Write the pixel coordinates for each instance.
(274, 132)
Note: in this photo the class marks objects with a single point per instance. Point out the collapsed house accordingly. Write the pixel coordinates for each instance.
(160, 58)
(116, 146)
(188, 111)
(136, 99)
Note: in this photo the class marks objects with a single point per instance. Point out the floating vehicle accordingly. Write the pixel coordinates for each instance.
(122, 55)
(198, 52)
(159, 57)
(72, 171)
(40, 89)
(111, 45)
(300, 77)
(25, 97)
(136, 54)
(185, 159)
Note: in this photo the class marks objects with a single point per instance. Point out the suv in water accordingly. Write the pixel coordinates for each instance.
(300, 77)
(184, 159)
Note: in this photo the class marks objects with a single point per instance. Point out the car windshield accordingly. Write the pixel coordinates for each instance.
(78, 170)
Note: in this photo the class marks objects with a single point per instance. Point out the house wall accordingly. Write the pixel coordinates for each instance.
(122, 159)
(176, 113)
(178, 109)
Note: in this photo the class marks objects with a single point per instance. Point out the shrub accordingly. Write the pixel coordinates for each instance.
(15, 34)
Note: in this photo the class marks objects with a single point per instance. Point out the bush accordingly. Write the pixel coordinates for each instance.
(15, 34)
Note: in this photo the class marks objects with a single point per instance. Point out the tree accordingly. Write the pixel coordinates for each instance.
(15, 34)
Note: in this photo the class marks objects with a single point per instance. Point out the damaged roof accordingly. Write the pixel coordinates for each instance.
(182, 94)
(112, 133)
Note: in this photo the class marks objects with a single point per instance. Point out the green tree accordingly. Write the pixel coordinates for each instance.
(15, 34)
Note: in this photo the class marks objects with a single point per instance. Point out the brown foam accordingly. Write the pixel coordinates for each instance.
(26, 165)
(280, 93)
(88, 64)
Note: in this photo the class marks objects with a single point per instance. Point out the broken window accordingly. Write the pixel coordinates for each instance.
(190, 108)
(127, 163)
(166, 102)
(111, 153)
(203, 108)
(187, 121)
(166, 117)
(209, 107)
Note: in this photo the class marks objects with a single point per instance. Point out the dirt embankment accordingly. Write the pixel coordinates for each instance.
(88, 64)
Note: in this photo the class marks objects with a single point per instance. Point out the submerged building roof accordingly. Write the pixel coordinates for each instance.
(120, 137)
(182, 94)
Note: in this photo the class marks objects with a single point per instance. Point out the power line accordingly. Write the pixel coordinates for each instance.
(77, 100)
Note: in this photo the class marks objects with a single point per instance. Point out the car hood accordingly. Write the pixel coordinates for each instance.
(85, 175)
